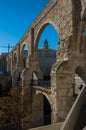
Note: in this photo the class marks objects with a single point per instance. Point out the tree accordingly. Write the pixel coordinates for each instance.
(10, 110)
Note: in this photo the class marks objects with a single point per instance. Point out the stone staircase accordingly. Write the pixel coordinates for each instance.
(81, 123)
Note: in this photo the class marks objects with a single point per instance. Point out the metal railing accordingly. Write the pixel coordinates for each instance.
(40, 82)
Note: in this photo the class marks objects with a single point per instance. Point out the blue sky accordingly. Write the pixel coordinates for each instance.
(15, 18)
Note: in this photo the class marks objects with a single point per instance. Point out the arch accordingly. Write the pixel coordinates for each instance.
(15, 60)
(15, 55)
(46, 56)
(63, 22)
(46, 95)
(42, 27)
(24, 54)
(63, 74)
(74, 68)
(23, 45)
(41, 105)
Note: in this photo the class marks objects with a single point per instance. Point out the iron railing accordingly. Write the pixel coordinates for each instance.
(40, 83)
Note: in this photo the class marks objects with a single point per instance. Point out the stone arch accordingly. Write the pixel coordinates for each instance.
(62, 21)
(28, 72)
(38, 106)
(24, 54)
(15, 60)
(63, 84)
(69, 69)
(40, 30)
(22, 47)
(62, 79)
(64, 38)
(46, 95)
(45, 68)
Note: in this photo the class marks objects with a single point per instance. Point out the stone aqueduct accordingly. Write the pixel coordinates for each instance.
(69, 19)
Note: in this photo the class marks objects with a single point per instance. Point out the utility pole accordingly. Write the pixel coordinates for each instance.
(8, 47)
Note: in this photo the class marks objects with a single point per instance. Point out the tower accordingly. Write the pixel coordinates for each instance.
(46, 44)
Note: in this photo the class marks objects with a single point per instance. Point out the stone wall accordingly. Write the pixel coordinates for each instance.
(3, 62)
(65, 16)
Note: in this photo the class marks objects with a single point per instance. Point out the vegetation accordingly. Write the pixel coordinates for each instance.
(10, 110)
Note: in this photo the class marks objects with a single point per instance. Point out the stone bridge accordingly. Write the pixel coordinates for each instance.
(68, 17)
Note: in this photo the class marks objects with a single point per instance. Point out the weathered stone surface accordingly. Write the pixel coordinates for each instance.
(69, 19)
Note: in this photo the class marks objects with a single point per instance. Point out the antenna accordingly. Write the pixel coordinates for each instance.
(9, 47)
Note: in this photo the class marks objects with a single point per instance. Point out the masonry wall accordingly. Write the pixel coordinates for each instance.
(47, 57)
(65, 16)
(3, 63)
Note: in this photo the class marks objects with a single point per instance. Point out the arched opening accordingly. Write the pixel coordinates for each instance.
(19, 79)
(47, 112)
(15, 60)
(49, 33)
(9, 65)
(79, 79)
(41, 110)
(47, 42)
(24, 55)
